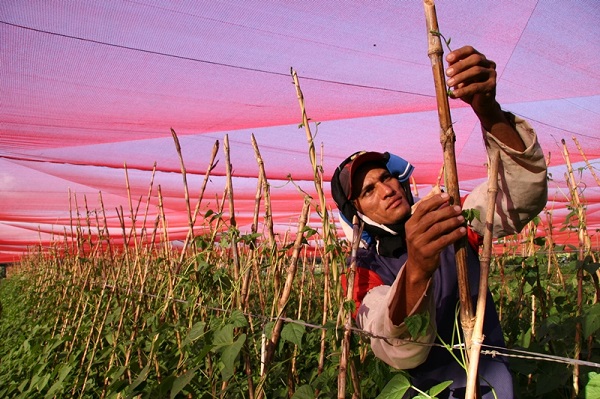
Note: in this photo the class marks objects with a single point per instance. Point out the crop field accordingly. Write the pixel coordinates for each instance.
(246, 316)
(145, 322)
(256, 315)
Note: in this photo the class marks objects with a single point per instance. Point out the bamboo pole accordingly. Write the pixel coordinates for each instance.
(584, 245)
(356, 233)
(192, 216)
(485, 258)
(186, 192)
(587, 162)
(266, 191)
(269, 345)
(596, 276)
(447, 138)
(232, 221)
(327, 235)
(317, 171)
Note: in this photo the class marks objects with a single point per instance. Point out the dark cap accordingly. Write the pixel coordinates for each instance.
(353, 163)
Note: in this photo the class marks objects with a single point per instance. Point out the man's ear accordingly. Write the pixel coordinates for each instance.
(356, 205)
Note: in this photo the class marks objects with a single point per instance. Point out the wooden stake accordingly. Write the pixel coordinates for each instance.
(232, 221)
(356, 233)
(485, 258)
(322, 209)
(266, 191)
(447, 139)
(269, 345)
(584, 245)
(190, 235)
(585, 159)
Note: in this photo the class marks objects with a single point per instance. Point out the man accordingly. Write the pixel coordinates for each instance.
(406, 266)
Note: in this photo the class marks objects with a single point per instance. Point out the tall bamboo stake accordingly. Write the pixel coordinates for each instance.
(587, 162)
(584, 245)
(191, 217)
(186, 192)
(270, 344)
(596, 276)
(485, 258)
(356, 232)
(266, 191)
(317, 171)
(447, 139)
(232, 222)
(327, 235)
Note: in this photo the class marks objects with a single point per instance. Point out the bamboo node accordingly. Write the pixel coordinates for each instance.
(478, 341)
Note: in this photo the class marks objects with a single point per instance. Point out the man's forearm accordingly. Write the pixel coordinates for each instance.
(409, 293)
(501, 125)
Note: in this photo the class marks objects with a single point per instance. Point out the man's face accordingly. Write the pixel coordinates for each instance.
(381, 196)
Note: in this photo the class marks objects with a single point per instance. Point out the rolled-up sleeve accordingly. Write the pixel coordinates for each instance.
(398, 349)
(522, 184)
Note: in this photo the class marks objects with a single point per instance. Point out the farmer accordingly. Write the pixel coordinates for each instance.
(406, 262)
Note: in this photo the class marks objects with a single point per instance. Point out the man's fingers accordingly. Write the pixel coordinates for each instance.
(436, 246)
(431, 226)
(428, 204)
(438, 224)
(472, 89)
(425, 252)
(476, 73)
(460, 53)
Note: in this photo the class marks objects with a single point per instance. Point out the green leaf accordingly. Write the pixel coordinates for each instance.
(417, 324)
(195, 332)
(309, 231)
(550, 378)
(591, 320)
(304, 392)
(229, 357)
(524, 339)
(592, 388)
(62, 374)
(139, 379)
(238, 319)
(591, 267)
(269, 328)
(293, 333)
(471, 214)
(23, 385)
(43, 382)
(223, 337)
(182, 381)
(436, 390)
(395, 388)
(350, 306)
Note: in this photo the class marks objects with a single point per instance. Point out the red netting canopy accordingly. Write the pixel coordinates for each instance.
(88, 87)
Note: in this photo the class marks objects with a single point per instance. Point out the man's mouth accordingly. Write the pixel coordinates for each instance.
(394, 203)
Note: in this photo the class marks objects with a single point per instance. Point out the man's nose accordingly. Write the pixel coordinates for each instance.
(385, 189)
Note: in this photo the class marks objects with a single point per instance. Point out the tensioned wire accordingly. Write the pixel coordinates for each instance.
(489, 349)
